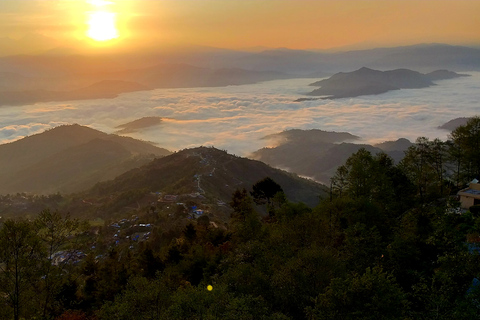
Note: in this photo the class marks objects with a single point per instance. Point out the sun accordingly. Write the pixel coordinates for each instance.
(102, 26)
(101, 21)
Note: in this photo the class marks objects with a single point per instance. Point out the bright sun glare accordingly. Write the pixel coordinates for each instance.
(101, 23)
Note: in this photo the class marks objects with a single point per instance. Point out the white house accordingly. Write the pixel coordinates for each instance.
(470, 196)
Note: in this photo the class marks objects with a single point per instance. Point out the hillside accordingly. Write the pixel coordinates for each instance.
(69, 158)
(202, 173)
(367, 81)
(317, 153)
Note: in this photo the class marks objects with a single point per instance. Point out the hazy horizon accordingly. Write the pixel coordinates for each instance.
(116, 26)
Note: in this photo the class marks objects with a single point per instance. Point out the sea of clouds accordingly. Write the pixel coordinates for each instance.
(235, 118)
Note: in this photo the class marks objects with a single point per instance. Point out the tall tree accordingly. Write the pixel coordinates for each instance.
(265, 190)
(245, 220)
(20, 253)
(356, 176)
(466, 142)
(425, 165)
(56, 233)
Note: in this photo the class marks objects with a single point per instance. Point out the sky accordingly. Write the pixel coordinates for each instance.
(27, 25)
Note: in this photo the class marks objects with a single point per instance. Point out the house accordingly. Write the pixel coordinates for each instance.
(470, 196)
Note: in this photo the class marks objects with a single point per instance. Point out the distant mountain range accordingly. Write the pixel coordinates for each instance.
(422, 57)
(317, 154)
(53, 77)
(102, 85)
(100, 90)
(68, 159)
(367, 81)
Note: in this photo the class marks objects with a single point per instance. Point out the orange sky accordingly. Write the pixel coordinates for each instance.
(298, 24)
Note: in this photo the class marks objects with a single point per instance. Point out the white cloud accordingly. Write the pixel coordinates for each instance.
(14, 132)
(236, 117)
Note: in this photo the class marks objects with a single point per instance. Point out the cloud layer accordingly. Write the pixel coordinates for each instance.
(236, 117)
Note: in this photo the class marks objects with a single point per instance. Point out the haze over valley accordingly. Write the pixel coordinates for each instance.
(235, 118)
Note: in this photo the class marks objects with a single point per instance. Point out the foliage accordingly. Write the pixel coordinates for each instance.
(425, 165)
(20, 255)
(466, 148)
(382, 246)
(372, 295)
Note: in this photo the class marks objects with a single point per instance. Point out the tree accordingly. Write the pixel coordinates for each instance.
(55, 232)
(190, 233)
(142, 299)
(370, 190)
(245, 220)
(373, 295)
(270, 193)
(264, 190)
(466, 148)
(356, 178)
(20, 253)
(425, 165)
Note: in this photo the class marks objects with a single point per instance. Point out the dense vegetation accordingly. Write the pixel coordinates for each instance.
(385, 244)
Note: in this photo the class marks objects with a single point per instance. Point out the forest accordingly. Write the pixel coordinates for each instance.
(389, 241)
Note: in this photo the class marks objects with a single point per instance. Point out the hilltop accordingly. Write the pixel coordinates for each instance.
(365, 81)
(202, 175)
(69, 158)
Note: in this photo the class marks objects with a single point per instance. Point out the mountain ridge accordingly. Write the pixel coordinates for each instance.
(208, 172)
(32, 163)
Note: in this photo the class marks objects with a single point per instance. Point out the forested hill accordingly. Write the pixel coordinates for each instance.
(390, 241)
(69, 158)
(210, 172)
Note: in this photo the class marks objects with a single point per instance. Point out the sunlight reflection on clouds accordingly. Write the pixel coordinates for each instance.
(235, 118)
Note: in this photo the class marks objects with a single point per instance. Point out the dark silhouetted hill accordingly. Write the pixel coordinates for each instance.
(367, 81)
(444, 75)
(69, 158)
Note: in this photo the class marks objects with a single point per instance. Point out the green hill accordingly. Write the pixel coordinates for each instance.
(207, 173)
(69, 158)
